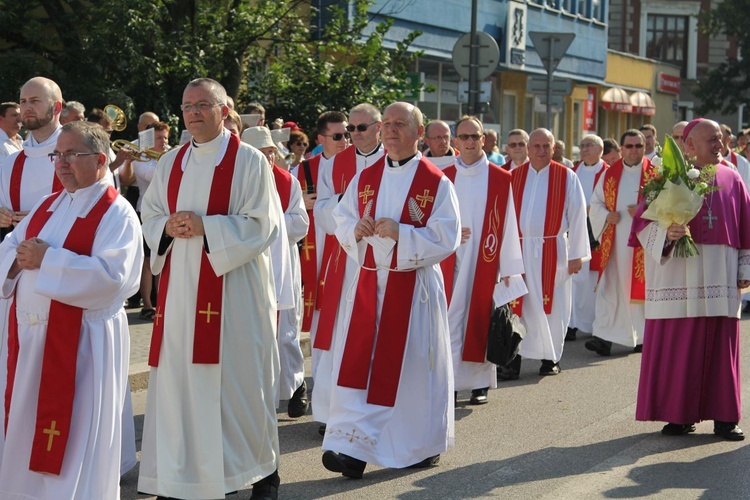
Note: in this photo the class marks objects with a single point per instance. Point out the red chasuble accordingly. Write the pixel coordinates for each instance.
(558, 180)
(390, 339)
(15, 182)
(611, 189)
(283, 181)
(58, 375)
(595, 264)
(308, 253)
(488, 262)
(334, 257)
(208, 307)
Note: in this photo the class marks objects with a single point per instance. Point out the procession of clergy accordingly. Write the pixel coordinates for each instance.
(390, 257)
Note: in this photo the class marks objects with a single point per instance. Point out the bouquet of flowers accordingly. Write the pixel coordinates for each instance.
(676, 192)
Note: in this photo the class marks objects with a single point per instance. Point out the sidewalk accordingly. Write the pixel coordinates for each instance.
(140, 341)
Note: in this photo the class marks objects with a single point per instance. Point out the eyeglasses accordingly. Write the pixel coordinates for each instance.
(473, 137)
(631, 146)
(337, 136)
(200, 107)
(360, 128)
(300, 143)
(68, 157)
(516, 144)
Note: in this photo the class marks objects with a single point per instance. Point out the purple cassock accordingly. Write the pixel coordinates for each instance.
(690, 369)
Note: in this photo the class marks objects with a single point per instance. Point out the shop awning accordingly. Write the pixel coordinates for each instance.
(642, 103)
(616, 99)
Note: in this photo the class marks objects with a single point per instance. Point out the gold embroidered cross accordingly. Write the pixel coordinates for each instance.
(416, 260)
(208, 312)
(366, 194)
(352, 436)
(157, 316)
(307, 247)
(308, 305)
(546, 300)
(514, 303)
(52, 432)
(423, 199)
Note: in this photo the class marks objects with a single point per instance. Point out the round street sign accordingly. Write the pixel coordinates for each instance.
(488, 55)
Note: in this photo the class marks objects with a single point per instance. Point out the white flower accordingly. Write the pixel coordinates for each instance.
(656, 161)
(693, 173)
(700, 187)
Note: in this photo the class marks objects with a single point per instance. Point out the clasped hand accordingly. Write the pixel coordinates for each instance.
(383, 227)
(184, 224)
(30, 253)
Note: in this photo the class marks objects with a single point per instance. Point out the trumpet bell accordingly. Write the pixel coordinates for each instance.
(119, 120)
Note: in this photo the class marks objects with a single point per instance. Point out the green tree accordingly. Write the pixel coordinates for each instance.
(723, 88)
(335, 71)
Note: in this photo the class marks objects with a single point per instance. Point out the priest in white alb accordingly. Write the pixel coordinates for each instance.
(209, 216)
(551, 211)
(690, 369)
(490, 252)
(622, 282)
(589, 170)
(392, 396)
(69, 266)
(365, 121)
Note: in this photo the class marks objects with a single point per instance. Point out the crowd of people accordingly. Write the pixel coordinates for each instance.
(390, 246)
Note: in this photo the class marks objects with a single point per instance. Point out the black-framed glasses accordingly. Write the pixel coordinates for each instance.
(631, 146)
(360, 128)
(300, 143)
(68, 157)
(473, 137)
(337, 136)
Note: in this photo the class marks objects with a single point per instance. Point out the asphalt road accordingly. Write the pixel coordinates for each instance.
(570, 436)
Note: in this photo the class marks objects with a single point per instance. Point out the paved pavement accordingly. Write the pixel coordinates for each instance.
(572, 436)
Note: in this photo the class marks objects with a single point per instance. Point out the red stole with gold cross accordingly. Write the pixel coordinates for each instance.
(334, 257)
(308, 253)
(556, 190)
(358, 363)
(488, 262)
(595, 264)
(15, 182)
(58, 373)
(207, 335)
(611, 188)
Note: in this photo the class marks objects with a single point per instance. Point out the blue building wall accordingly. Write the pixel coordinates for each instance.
(443, 22)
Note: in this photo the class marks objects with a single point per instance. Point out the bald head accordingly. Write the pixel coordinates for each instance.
(437, 136)
(402, 127)
(541, 147)
(677, 130)
(147, 119)
(703, 141)
(41, 103)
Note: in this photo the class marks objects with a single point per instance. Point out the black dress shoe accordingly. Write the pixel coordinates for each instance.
(346, 465)
(267, 488)
(599, 346)
(549, 368)
(322, 430)
(677, 429)
(479, 396)
(728, 431)
(638, 348)
(571, 334)
(299, 403)
(427, 462)
(506, 374)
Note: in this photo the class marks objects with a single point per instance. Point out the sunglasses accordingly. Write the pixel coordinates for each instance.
(300, 143)
(359, 128)
(516, 144)
(631, 146)
(338, 137)
(473, 137)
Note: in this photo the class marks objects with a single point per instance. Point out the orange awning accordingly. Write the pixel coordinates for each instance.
(616, 99)
(642, 103)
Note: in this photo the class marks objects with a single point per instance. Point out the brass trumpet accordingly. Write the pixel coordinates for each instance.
(119, 120)
(138, 154)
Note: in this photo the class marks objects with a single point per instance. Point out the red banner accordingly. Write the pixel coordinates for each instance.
(589, 110)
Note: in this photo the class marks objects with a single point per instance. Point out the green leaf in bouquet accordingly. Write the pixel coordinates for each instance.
(674, 166)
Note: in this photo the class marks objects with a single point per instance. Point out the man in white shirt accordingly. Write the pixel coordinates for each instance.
(516, 149)
(649, 132)
(10, 126)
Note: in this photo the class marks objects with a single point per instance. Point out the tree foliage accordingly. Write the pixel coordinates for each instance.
(139, 54)
(728, 85)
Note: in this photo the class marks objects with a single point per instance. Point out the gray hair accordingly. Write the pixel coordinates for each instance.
(519, 131)
(218, 92)
(72, 105)
(367, 109)
(92, 134)
(595, 138)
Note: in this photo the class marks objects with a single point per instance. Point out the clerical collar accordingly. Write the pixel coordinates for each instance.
(430, 155)
(366, 155)
(400, 163)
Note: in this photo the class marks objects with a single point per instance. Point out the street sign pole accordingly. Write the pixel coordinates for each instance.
(548, 113)
(551, 48)
(473, 62)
